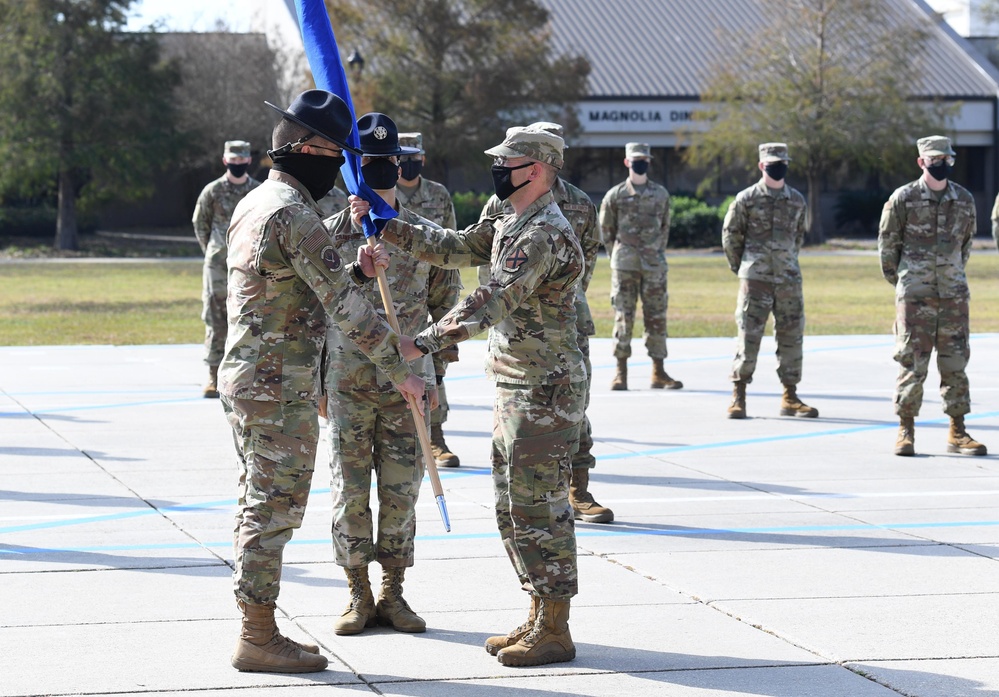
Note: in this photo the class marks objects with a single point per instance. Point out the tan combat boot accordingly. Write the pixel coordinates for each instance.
(442, 454)
(393, 610)
(211, 390)
(905, 444)
(548, 642)
(790, 405)
(262, 648)
(584, 507)
(360, 612)
(620, 381)
(737, 410)
(660, 379)
(958, 440)
(495, 644)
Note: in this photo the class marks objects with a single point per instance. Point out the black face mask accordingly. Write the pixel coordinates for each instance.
(317, 174)
(940, 171)
(776, 170)
(381, 173)
(639, 166)
(411, 169)
(503, 181)
(235, 170)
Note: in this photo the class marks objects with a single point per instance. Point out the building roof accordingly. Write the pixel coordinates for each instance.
(678, 39)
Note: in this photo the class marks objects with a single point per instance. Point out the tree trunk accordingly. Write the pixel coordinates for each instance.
(816, 235)
(66, 231)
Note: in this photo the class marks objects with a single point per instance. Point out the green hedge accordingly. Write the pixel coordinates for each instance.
(694, 223)
(467, 207)
(37, 222)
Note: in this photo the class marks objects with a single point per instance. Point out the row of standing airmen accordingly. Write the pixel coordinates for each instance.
(535, 245)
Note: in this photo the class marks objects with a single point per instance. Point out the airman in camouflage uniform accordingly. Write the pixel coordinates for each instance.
(528, 305)
(333, 202)
(285, 278)
(762, 235)
(579, 210)
(371, 428)
(634, 218)
(211, 220)
(925, 239)
(432, 200)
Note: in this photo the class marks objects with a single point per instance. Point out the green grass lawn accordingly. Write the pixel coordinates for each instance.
(160, 303)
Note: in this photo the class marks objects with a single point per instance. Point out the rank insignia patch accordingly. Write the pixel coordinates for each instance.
(515, 260)
(331, 259)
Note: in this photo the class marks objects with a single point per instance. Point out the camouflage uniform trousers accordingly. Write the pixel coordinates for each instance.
(535, 430)
(626, 288)
(439, 415)
(213, 310)
(373, 431)
(583, 458)
(276, 446)
(922, 324)
(757, 300)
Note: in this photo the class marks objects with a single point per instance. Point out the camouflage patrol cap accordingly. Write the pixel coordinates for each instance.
(934, 146)
(633, 150)
(549, 126)
(774, 152)
(541, 146)
(412, 140)
(236, 148)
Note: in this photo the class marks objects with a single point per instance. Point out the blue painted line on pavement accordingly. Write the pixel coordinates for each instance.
(775, 439)
(610, 531)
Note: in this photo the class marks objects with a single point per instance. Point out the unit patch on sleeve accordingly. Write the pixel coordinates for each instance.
(331, 259)
(515, 260)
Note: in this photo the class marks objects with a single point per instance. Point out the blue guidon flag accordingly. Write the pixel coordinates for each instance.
(327, 70)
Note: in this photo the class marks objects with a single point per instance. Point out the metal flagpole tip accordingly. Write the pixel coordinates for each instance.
(442, 506)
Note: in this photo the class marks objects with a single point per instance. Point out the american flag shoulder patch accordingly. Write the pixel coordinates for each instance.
(315, 240)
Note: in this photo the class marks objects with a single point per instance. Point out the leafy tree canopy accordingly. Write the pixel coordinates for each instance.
(832, 78)
(85, 109)
(459, 71)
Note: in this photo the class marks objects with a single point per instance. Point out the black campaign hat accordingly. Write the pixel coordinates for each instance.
(379, 137)
(323, 113)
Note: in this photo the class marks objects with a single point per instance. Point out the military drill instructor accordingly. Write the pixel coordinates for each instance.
(433, 201)
(924, 240)
(371, 430)
(212, 214)
(528, 307)
(579, 210)
(763, 232)
(634, 220)
(285, 279)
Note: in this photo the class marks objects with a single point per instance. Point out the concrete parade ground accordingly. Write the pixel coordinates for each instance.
(772, 556)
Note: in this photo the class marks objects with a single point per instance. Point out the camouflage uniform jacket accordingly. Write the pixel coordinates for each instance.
(333, 202)
(349, 369)
(636, 226)
(529, 301)
(212, 214)
(763, 234)
(433, 202)
(924, 244)
(579, 210)
(284, 279)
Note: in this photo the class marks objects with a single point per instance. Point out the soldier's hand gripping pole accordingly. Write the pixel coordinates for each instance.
(421, 425)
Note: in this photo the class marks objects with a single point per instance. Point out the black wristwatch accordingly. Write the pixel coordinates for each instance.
(419, 345)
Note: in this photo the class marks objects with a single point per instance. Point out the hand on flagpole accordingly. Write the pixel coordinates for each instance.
(373, 258)
(359, 209)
